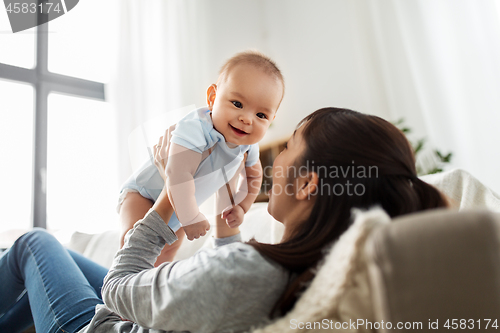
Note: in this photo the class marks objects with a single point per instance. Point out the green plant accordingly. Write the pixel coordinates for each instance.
(428, 161)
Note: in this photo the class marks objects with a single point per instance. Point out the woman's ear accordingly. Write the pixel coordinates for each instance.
(211, 92)
(307, 186)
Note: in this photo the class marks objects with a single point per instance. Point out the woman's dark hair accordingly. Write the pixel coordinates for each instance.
(384, 174)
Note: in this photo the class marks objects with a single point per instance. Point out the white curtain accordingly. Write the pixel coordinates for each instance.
(433, 62)
(159, 58)
(440, 70)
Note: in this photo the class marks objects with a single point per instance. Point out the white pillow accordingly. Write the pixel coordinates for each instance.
(465, 190)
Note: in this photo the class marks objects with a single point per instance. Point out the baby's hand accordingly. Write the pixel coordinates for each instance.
(233, 215)
(196, 230)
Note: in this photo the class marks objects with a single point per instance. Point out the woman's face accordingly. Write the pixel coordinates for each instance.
(283, 203)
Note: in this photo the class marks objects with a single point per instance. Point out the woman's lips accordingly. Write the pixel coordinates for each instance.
(237, 131)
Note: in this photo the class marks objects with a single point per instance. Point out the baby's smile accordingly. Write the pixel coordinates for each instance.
(237, 131)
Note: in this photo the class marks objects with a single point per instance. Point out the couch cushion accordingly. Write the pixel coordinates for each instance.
(436, 265)
(464, 190)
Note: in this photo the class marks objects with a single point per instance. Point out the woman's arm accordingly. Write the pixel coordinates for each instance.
(230, 287)
(154, 297)
(133, 208)
(196, 294)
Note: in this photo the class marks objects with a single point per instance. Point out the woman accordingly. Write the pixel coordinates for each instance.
(336, 159)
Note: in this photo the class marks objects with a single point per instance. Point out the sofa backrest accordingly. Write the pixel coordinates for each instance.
(433, 267)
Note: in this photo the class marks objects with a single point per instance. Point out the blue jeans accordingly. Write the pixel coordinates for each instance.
(42, 282)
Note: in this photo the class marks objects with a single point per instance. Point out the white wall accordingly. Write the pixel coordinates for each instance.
(426, 61)
(317, 45)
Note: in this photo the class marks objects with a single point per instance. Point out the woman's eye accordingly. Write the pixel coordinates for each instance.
(261, 115)
(237, 104)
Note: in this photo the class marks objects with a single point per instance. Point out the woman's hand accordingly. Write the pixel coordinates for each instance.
(160, 151)
(160, 154)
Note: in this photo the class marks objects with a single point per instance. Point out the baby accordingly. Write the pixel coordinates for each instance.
(208, 146)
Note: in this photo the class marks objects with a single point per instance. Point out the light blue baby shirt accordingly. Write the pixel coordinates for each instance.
(196, 132)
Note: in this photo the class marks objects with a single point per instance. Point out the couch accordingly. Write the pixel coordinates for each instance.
(439, 268)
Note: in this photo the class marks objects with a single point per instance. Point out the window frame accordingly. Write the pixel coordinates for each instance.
(45, 82)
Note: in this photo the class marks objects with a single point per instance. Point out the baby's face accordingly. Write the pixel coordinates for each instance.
(244, 104)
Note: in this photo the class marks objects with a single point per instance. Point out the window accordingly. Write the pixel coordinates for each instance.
(81, 164)
(52, 80)
(16, 145)
(80, 48)
(17, 49)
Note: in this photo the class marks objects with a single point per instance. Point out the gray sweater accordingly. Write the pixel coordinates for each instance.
(230, 288)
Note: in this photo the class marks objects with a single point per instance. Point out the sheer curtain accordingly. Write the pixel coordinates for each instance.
(169, 52)
(440, 70)
(159, 59)
(433, 62)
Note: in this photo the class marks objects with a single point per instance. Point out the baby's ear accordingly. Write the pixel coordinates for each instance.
(211, 93)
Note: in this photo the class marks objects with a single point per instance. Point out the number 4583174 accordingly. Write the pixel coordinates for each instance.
(44, 7)
(462, 324)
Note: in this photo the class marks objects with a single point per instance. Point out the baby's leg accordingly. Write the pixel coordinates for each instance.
(134, 208)
(169, 251)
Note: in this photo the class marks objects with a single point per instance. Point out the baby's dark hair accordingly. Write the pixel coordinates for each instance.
(254, 58)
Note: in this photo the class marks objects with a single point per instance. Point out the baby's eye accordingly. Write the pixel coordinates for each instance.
(237, 104)
(261, 115)
(285, 145)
